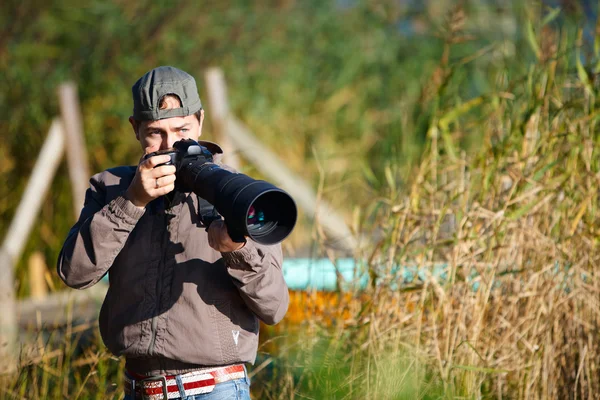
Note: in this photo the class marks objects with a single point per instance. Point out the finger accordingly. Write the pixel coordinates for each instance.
(153, 161)
(211, 230)
(211, 234)
(163, 170)
(146, 165)
(216, 227)
(214, 232)
(221, 233)
(161, 191)
(162, 181)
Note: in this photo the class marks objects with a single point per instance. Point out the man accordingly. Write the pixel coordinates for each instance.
(183, 302)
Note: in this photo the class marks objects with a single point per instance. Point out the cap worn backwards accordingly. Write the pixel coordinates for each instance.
(150, 89)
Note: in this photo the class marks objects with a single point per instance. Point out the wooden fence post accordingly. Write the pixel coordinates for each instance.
(218, 113)
(20, 227)
(75, 144)
(18, 232)
(35, 192)
(37, 276)
(8, 316)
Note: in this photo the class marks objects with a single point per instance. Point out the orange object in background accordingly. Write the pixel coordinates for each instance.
(324, 309)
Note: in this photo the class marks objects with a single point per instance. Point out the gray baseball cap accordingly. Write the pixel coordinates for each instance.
(150, 89)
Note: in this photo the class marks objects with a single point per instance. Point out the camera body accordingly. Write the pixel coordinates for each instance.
(184, 152)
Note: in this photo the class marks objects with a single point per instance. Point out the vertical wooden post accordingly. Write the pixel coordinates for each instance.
(37, 276)
(35, 192)
(219, 112)
(18, 232)
(8, 316)
(75, 144)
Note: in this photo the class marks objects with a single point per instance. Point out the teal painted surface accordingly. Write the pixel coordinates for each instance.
(320, 274)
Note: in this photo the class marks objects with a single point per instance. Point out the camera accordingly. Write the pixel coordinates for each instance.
(251, 208)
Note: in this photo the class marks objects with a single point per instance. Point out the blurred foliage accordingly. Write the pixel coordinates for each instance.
(344, 91)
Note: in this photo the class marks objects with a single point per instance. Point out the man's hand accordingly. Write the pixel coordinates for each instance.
(219, 239)
(150, 182)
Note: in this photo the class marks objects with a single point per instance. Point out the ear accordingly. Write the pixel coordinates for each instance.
(201, 122)
(134, 125)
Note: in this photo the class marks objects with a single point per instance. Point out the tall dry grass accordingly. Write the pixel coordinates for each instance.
(507, 239)
(68, 362)
(516, 315)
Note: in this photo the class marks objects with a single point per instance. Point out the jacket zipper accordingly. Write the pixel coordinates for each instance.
(159, 288)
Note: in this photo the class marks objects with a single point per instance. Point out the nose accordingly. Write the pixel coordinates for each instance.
(168, 140)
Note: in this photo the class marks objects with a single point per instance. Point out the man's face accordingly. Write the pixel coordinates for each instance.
(161, 134)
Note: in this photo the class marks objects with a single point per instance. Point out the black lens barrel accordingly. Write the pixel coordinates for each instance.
(236, 195)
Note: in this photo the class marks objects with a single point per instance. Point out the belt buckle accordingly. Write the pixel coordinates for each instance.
(156, 378)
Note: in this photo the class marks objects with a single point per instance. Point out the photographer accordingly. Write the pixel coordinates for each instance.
(184, 301)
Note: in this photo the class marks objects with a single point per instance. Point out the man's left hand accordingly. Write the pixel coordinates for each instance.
(219, 239)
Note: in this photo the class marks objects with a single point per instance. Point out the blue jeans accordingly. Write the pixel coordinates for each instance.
(237, 389)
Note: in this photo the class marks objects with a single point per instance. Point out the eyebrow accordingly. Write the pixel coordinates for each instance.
(156, 128)
(153, 128)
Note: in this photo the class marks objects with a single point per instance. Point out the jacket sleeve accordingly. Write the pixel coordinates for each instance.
(97, 238)
(256, 271)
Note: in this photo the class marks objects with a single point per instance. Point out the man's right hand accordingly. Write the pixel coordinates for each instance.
(150, 181)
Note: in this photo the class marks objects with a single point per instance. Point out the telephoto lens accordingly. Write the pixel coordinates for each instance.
(251, 208)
